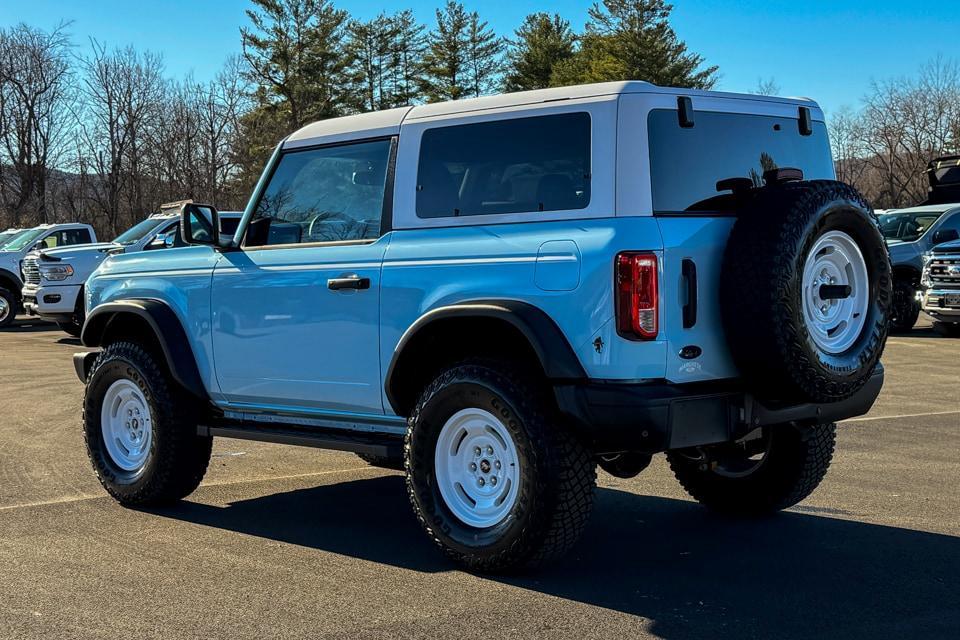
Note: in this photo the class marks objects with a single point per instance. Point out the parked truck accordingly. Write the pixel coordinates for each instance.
(14, 250)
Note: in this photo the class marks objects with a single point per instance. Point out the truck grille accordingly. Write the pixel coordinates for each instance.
(31, 272)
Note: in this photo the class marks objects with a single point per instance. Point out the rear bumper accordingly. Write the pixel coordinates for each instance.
(660, 416)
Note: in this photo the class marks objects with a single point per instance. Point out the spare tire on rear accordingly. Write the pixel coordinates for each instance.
(806, 291)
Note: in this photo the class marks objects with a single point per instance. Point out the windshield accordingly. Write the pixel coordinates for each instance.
(23, 240)
(138, 231)
(6, 236)
(907, 226)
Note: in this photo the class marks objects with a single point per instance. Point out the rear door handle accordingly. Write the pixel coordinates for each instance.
(348, 282)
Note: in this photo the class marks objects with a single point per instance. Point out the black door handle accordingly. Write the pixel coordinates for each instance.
(348, 282)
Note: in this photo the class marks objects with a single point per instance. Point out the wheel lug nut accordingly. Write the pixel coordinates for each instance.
(473, 466)
(481, 481)
(497, 464)
(477, 451)
(493, 481)
(489, 450)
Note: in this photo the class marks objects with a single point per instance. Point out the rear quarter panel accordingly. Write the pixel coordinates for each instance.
(427, 269)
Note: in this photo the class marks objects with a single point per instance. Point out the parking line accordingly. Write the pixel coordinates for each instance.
(45, 503)
(905, 415)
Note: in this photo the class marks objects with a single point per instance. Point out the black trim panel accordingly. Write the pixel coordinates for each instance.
(556, 356)
(166, 328)
(357, 442)
(660, 416)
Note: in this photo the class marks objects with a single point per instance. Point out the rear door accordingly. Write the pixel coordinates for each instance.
(695, 215)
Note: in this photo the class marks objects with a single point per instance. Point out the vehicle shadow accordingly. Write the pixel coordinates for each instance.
(690, 573)
(30, 325)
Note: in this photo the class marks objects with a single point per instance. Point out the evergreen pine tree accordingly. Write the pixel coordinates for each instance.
(542, 42)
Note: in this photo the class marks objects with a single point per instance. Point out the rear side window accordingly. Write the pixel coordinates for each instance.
(506, 166)
(687, 163)
(67, 237)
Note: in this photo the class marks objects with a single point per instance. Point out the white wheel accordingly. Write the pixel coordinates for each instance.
(4, 309)
(127, 425)
(835, 323)
(477, 468)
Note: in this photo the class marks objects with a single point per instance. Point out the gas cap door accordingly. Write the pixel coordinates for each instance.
(558, 266)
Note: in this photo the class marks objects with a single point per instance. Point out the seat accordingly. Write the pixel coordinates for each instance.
(556, 192)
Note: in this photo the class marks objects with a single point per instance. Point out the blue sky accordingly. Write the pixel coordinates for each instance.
(829, 50)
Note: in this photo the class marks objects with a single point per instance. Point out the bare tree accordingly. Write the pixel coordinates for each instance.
(35, 96)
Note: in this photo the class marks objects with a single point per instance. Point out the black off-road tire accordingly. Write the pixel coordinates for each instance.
(906, 308)
(761, 292)
(794, 466)
(71, 328)
(13, 304)
(947, 329)
(382, 462)
(557, 474)
(178, 457)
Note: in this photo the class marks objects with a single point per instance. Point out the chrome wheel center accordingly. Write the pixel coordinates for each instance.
(477, 468)
(835, 322)
(126, 425)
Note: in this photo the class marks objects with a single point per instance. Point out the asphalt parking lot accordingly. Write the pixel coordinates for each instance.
(288, 542)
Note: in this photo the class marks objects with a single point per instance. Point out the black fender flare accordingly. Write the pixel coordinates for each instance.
(556, 356)
(14, 279)
(167, 330)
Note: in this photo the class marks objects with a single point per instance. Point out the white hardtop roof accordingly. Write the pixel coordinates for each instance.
(926, 208)
(388, 121)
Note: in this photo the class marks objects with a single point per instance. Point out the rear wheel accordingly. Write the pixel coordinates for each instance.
(141, 429)
(947, 329)
(772, 469)
(9, 305)
(906, 307)
(494, 481)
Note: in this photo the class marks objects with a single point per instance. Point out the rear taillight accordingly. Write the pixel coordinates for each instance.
(636, 289)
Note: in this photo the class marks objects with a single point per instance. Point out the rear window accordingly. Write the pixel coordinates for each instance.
(686, 164)
(507, 166)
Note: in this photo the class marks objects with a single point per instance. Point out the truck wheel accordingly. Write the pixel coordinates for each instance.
(947, 329)
(494, 481)
(382, 462)
(806, 292)
(906, 307)
(72, 328)
(9, 305)
(141, 429)
(760, 475)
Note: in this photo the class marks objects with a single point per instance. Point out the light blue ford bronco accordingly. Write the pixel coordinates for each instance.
(497, 295)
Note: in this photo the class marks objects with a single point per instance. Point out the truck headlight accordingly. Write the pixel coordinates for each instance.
(56, 272)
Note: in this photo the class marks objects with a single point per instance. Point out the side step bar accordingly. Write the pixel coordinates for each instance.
(384, 445)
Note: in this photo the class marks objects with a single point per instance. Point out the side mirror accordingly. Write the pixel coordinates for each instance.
(946, 235)
(200, 224)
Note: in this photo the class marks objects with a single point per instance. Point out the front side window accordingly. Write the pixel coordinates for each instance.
(326, 194)
(907, 226)
(521, 165)
(687, 163)
(66, 238)
(137, 232)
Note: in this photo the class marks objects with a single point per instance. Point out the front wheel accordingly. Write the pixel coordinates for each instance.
(8, 307)
(493, 480)
(769, 470)
(72, 328)
(141, 429)
(906, 308)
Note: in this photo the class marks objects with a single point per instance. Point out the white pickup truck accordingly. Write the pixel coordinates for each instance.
(53, 279)
(15, 249)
